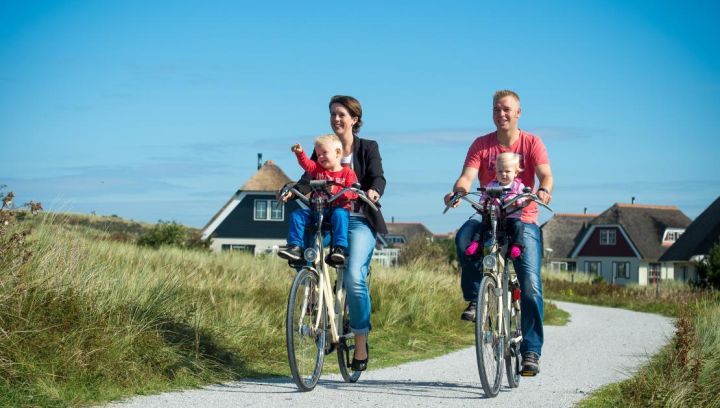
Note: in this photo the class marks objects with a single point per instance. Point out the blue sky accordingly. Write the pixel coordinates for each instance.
(156, 110)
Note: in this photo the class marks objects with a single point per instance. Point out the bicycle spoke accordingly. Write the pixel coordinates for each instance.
(488, 341)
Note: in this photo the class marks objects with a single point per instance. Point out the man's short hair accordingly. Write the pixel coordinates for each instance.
(503, 93)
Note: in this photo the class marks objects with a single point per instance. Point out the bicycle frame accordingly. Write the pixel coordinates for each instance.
(311, 309)
(495, 264)
(494, 327)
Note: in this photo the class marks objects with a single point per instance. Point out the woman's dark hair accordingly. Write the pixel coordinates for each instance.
(353, 106)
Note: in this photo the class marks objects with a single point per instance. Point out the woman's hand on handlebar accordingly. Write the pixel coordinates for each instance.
(373, 195)
(285, 197)
(285, 194)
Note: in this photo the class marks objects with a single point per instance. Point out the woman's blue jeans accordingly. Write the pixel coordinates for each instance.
(361, 243)
(527, 267)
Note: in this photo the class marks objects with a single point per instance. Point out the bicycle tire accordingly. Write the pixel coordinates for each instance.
(305, 345)
(489, 347)
(513, 359)
(346, 350)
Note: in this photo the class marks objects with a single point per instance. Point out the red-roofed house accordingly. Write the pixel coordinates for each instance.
(623, 245)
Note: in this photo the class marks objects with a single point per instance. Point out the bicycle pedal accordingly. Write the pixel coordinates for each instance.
(329, 349)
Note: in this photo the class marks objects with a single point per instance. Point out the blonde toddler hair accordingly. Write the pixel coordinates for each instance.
(329, 140)
(509, 159)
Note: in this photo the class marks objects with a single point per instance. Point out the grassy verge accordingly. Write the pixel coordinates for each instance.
(87, 318)
(684, 373)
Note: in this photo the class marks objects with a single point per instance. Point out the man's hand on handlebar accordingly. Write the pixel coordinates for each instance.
(452, 200)
(544, 196)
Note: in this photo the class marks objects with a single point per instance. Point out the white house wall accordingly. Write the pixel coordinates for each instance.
(262, 246)
(607, 269)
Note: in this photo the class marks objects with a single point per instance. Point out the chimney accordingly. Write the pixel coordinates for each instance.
(259, 160)
(632, 200)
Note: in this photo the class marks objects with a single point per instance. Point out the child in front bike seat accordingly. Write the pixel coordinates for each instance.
(327, 166)
(507, 167)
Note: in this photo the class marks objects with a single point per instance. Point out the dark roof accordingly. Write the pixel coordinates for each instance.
(644, 224)
(563, 231)
(269, 178)
(699, 236)
(409, 229)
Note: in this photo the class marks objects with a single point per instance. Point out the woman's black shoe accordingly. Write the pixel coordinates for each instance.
(361, 365)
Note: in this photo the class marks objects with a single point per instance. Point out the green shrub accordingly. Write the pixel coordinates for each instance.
(170, 233)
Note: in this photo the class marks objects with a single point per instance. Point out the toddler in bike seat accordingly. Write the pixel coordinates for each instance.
(327, 166)
(507, 167)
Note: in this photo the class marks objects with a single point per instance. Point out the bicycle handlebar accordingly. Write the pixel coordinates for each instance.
(319, 186)
(494, 192)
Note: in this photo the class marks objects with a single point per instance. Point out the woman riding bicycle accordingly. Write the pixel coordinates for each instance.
(363, 156)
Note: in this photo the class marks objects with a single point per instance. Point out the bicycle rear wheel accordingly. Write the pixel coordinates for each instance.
(346, 349)
(513, 359)
(489, 347)
(305, 338)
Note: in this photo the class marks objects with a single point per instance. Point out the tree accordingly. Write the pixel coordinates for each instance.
(709, 267)
(163, 233)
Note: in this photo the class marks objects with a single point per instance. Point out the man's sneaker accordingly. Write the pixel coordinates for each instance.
(336, 257)
(469, 312)
(291, 253)
(530, 364)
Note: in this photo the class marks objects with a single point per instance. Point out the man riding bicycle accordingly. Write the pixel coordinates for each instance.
(480, 163)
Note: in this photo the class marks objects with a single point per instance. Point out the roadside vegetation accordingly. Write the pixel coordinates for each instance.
(684, 373)
(86, 317)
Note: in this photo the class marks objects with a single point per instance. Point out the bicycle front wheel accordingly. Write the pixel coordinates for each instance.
(346, 349)
(489, 347)
(305, 330)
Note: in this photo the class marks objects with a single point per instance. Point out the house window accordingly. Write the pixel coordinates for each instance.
(593, 267)
(671, 235)
(607, 237)
(621, 270)
(571, 266)
(269, 210)
(654, 272)
(238, 247)
(395, 239)
(558, 266)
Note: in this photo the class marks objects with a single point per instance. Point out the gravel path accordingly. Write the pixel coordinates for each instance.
(598, 346)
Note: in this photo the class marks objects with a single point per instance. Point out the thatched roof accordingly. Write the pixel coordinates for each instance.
(563, 231)
(269, 178)
(699, 236)
(410, 230)
(644, 224)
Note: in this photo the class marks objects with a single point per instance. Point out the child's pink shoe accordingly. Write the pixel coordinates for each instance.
(472, 248)
(515, 251)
